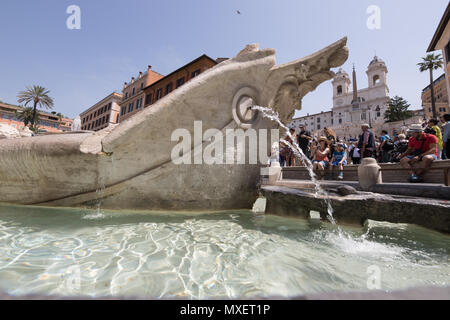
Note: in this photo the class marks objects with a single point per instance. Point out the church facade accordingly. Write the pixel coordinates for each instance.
(368, 105)
(353, 107)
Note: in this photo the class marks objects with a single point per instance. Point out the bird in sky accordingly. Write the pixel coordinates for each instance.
(238, 12)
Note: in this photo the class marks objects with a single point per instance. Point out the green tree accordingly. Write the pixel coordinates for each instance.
(431, 62)
(25, 115)
(397, 110)
(39, 97)
(60, 117)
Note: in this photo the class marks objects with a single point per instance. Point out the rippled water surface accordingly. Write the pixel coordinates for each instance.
(228, 254)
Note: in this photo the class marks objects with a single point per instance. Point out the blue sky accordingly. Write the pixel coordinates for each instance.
(120, 38)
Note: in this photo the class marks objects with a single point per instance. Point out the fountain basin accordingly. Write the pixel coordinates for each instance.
(199, 255)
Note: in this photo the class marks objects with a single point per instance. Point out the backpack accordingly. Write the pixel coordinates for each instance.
(388, 145)
(430, 131)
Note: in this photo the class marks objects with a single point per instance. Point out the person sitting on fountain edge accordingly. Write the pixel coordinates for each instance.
(320, 162)
(339, 160)
(422, 147)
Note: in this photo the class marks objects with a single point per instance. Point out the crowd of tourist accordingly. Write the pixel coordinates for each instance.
(426, 142)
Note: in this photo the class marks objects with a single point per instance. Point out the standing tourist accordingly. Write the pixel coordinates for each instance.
(386, 145)
(286, 152)
(353, 152)
(366, 142)
(446, 135)
(433, 124)
(444, 148)
(304, 138)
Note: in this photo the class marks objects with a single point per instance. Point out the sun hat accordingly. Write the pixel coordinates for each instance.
(323, 139)
(365, 125)
(415, 128)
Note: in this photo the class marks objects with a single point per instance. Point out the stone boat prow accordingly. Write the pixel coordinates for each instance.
(131, 166)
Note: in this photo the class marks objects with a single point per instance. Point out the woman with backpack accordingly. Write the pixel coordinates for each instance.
(386, 146)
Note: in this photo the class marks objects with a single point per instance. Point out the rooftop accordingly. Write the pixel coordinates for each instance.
(440, 29)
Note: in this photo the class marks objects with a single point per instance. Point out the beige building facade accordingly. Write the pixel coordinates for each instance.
(441, 41)
(165, 85)
(133, 93)
(102, 114)
(440, 95)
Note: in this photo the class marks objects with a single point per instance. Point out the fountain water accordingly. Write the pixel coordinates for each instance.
(319, 191)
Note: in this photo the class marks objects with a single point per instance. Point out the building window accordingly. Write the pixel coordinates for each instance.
(447, 52)
(126, 95)
(376, 79)
(95, 114)
(318, 127)
(318, 120)
(134, 90)
(123, 110)
(107, 118)
(148, 99)
(180, 82)
(142, 85)
(138, 103)
(339, 90)
(117, 118)
(340, 121)
(130, 107)
(195, 73)
(363, 116)
(109, 106)
(158, 94)
(169, 88)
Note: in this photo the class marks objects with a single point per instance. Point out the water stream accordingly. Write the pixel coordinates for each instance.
(319, 191)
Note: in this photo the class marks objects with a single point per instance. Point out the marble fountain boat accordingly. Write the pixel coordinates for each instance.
(132, 165)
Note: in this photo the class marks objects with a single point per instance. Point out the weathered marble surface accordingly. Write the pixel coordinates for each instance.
(131, 163)
(357, 208)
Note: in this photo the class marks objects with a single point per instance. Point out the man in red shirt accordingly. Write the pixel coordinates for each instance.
(422, 148)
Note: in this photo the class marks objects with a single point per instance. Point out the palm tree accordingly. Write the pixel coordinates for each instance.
(39, 97)
(25, 114)
(431, 62)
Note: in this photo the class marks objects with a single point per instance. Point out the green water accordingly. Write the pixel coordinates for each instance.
(229, 254)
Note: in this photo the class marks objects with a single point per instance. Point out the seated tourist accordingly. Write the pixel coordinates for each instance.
(339, 160)
(320, 162)
(422, 147)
